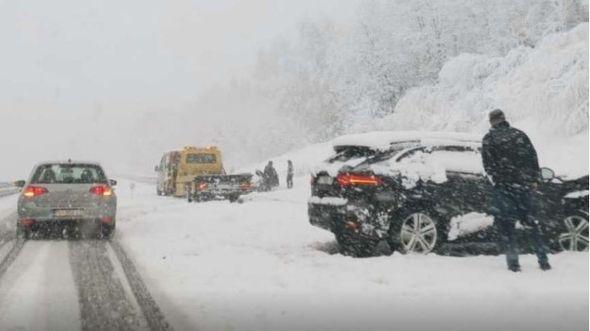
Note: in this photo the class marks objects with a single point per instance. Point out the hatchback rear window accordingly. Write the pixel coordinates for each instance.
(68, 174)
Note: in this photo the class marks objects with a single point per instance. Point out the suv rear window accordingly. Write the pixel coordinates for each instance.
(346, 153)
(461, 159)
(386, 155)
(68, 174)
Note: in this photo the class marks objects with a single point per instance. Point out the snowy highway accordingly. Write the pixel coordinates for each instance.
(376, 157)
(260, 265)
(50, 284)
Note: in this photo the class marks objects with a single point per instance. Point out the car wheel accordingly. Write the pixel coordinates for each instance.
(353, 246)
(158, 192)
(417, 231)
(107, 230)
(574, 232)
(197, 198)
(233, 198)
(23, 232)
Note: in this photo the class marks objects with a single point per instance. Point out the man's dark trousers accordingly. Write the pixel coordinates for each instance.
(514, 203)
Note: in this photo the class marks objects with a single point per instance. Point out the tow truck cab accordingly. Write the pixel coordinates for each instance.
(177, 169)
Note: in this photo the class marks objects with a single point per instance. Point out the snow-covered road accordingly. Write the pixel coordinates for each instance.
(56, 284)
(38, 291)
(259, 265)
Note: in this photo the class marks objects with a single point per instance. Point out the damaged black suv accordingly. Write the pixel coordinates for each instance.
(429, 192)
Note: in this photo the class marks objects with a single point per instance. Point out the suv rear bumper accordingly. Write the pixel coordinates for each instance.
(355, 218)
(327, 213)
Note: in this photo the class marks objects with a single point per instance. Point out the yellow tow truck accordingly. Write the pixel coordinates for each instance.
(198, 174)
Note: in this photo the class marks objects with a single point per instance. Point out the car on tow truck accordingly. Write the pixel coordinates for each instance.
(426, 186)
(75, 195)
(211, 187)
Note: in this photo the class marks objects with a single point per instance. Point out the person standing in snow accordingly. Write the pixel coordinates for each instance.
(289, 174)
(271, 178)
(510, 160)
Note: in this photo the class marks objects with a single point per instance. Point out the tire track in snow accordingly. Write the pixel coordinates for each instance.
(11, 256)
(152, 313)
(7, 232)
(7, 236)
(104, 304)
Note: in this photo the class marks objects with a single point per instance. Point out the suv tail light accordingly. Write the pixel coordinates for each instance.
(34, 191)
(27, 222)
(348, 179)
(101, 190)
(202, 186)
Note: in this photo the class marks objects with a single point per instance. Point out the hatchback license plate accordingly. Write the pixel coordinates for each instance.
(68, 212)
(325, 180)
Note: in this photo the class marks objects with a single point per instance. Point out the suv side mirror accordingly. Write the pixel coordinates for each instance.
(547, 174)
(112, 182)
(19, 183)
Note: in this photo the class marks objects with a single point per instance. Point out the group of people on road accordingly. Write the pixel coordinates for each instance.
(270, 177)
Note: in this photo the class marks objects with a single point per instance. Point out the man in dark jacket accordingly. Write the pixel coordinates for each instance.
(510, 159)
(271, 176)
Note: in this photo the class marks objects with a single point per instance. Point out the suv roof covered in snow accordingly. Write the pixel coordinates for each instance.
(382, 140)
(353, 150)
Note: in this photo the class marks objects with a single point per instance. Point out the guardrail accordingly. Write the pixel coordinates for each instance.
(9, 190)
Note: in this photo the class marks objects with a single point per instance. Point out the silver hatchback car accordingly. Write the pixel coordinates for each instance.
(76, 195)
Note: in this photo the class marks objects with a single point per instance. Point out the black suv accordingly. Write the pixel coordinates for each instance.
(423, 194)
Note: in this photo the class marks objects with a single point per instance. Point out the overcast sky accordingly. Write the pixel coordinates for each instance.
(71, 51)
(62, 62)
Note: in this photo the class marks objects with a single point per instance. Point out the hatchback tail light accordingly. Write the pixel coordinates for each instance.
(348, 179)
(34, 191)
(101, 190)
